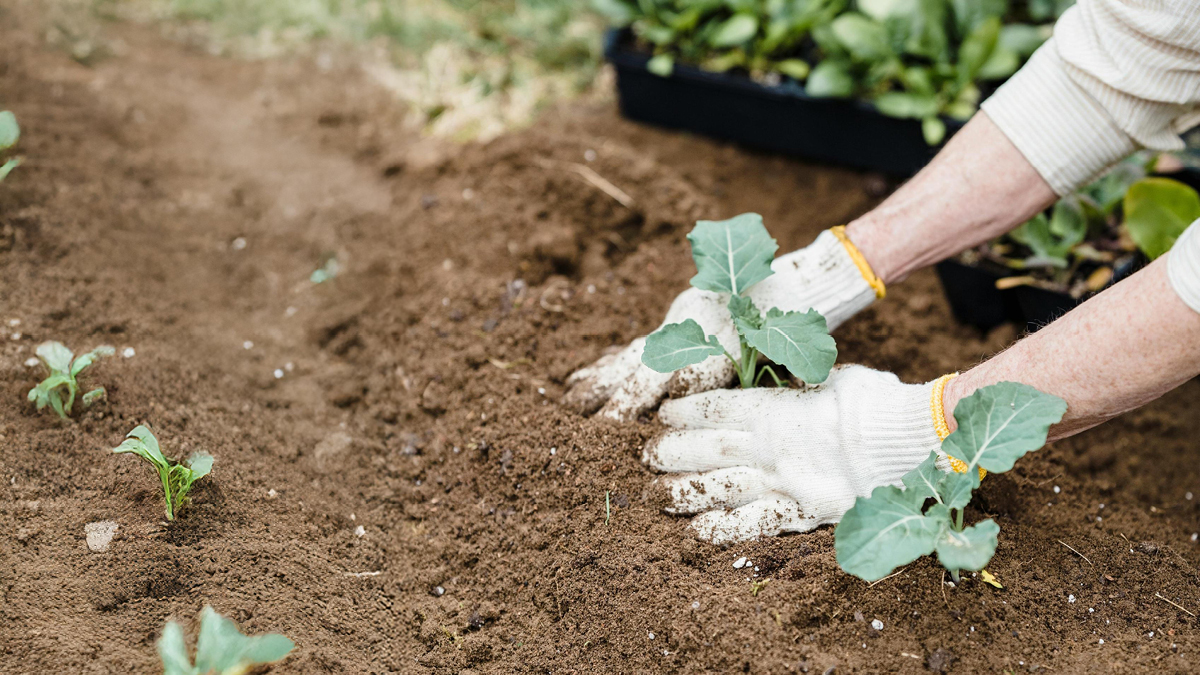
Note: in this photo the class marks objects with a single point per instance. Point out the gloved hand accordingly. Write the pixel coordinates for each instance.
(824, 276)
(758, 462)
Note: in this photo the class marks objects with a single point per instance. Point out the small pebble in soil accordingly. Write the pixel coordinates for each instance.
(1091, 610)
(247, 345)
(1188, 496)
(289, 366)
(16, 336)
(31, 362)
(1071, 598)
(542, 391)
(1101, 640)
(1150, 634)
(740, 563)
(553, 451)
(17, 322)
(100, 534)
(1195, 536)
(445, 302)
(271, 493)
(239, 243)
(877, 624)
(1057, 489)
(360, 531)
(278, 373)
(591, 288)
(290, 312)
(589, 155)
(439, 591)
(696, 604)
(468, 194)
(650, 635)
(128, 352)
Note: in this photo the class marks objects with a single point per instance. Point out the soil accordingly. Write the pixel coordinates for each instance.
(415, 395)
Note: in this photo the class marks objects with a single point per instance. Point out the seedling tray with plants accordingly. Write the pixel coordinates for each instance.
(1081, 245)
(870, 84)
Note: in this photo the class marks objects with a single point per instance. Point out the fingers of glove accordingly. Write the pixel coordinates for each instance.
(728, 488)
(590, 387)
(716, 372)
(765, 517)
(721, 409)
(636, 395)
(699, 450)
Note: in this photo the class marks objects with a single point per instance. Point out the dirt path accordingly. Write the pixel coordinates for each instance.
(418, 401)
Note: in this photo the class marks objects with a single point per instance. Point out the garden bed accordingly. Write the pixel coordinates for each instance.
(176, 204)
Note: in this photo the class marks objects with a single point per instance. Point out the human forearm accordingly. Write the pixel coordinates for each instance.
(978, 187)
(1120, 350)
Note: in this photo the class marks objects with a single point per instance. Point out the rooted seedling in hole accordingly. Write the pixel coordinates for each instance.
(221, 648)
(177, 479)
(997, 425)
(60, 388)
(731, 256)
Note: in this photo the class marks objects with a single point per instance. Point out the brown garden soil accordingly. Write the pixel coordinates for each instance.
(419, 399)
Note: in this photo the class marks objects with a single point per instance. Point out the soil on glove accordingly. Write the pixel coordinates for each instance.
(397, 487)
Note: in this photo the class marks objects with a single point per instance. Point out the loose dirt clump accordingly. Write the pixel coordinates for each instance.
(396, 486)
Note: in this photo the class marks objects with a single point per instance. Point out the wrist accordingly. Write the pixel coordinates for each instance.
(822, 276)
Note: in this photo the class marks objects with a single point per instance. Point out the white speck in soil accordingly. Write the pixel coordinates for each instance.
(1091, 610)
(589, 155)
(445, 302)
(289, 366)
(439, 591)
(1188, 496)
(468, 194)
(239, 243)
(128, 352)
(739, 563)
(360, 531)
(100, 534)
(696, 604)
(650, 635)
(247, 345)
(542, 391)
(17, 322)
(553, 451)
(950, 584)
(279, 373)
(756, 568)
(16, 336)
(877, 624)
(972, 629)
(1195, 536)
(1057, 489)
(31, 362)
(591, 288)
(1150, 634)
(1101, 506)
(1070, 598)
(272, 493)
(290, 311)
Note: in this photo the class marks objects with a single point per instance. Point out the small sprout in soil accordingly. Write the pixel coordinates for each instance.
(731, 256)
(10, 132)
(177, 479)
(62, 386)
(325, 272)
(221, 649)
(997, 425)
(756, 586)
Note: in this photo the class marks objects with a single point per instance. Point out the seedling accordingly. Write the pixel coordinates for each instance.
(731, 256)
(221, 648)
(177, 479)
(9, 134)
(997, 425)
(60, 388)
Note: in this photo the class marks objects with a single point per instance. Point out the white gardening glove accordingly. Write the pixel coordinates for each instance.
(822, 276)
(758, 462)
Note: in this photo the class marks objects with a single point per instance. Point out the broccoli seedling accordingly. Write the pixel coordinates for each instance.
(221, 649)
(731, 256)
(997, 425)
(9, 134)
(60, 388)
(177, 479)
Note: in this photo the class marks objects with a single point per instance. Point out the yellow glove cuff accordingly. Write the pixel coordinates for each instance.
(864, 267)
(938, 411)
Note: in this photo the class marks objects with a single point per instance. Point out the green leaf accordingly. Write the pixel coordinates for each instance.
(744, 310)
(94, 395)
(1157, 211)
(976, 48)
(794, 68)
(1068, 221)
(201, 465)
(933, 129)
(799, 341)
(141, 442)
(1047, 249)
(970, 549)
(1042, 10)
(904, 104)
(9, 130)
(736, 30)
(886, 9)
(8, 167)
(955, 488)
(56, 403)
(1001, 64)
(679, 345)
(924, 480)
(221, 647)
(173, 651)
(618, 12)
(862, 36)
(886, 530)
(1022, 39)
(999, 423)
(970, 13)
(1109, 190)
(56, 356)
(830, 79)
(88, 358)
(662, 65)
(731, 255)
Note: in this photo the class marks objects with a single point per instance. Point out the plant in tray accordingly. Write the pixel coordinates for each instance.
(176, 478)
(221, 649)
(60, 388)
(731, 256)
(997, 425)
(10, 132)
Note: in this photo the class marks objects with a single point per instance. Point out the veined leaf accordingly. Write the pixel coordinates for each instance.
(923, 481)
(862, 36)
(1047, 249)
(9, 130)
(999, 423)
(799, 341)
(886, 530)
(1068, 221)
(956, 488)
(201, 465)
(736, 30)
(743, 309)
(731, 255)
(56, 356)
(141, 442)
(679, 345)
(1157, 211)
(830, 79)
(970, 549)
(221, 648)
(173, 651)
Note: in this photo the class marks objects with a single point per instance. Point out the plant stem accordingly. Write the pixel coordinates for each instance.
(958, 520)
(167, 493)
